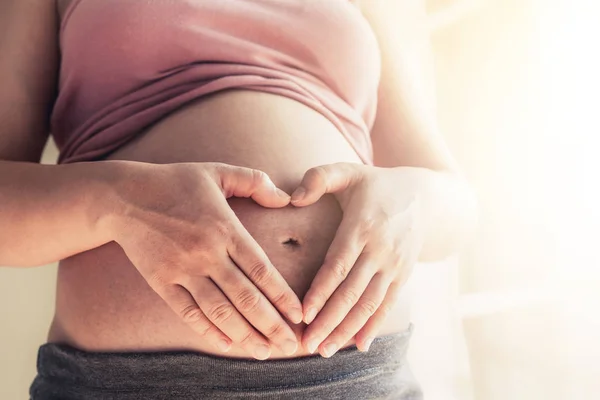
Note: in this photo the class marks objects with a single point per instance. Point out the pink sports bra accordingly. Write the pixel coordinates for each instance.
(128, 63)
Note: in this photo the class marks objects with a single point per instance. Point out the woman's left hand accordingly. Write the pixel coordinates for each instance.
(372, 255)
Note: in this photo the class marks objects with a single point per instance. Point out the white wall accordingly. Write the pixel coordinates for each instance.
(26, 310)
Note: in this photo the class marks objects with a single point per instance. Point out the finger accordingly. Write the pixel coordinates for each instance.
(219, 310)
(253, 261)
(324, 179)
(184, 305)
(255, 307)
(339, 305)
(365, 336)
(345, 249)
(247, 182)
(358, 316)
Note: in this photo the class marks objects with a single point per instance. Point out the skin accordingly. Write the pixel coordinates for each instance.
(418, 207)
(168, 256)
(356, 284)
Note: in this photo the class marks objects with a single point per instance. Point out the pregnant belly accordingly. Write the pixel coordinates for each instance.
(103, 304)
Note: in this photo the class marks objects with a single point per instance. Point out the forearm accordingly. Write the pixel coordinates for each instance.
(448, 210)
(50, 212)
(406, 132)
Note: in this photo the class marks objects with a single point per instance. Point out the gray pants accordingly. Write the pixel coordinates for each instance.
(381, 373)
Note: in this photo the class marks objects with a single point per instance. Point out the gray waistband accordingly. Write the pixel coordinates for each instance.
(62, 366)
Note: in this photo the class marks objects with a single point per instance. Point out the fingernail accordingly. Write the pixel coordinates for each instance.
(262, 352)
(295, 315)
(367, 343)
(224, 345)
(311, 313)
(329, 350)
(282, 194)
(298, 194)
(289, 347)
(312, 346)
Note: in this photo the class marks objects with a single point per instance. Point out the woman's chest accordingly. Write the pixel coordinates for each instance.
(139, 41)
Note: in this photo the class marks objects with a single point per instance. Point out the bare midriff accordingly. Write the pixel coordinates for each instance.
(103, 304)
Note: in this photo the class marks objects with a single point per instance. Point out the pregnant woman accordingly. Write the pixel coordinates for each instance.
(242, 190)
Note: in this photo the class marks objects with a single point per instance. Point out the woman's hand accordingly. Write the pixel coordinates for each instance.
(371, 257)
(176, 227)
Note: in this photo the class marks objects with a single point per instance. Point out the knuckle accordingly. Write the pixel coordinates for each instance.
(259, 272)
(275, 330)
(216, 167)
(344, 331)
(247, 300)
(349, 297)
(281, 299)
(247, 337)
(317, 175)
(385, 309)
(191, 314)
(339, 268)
(159, 279)
(259, 177)
(211, 172)
(396, 259)
(365, 229)
(388, 244)
(386, 239)
(220, 313)
(205, 331)
(367, 307)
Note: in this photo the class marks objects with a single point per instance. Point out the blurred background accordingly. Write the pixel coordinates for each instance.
(517, 315)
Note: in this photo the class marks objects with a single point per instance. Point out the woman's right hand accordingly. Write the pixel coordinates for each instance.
(175, 225)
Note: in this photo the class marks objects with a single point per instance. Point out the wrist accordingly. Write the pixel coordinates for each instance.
(448, 210)
(110, 181)
(423, 185)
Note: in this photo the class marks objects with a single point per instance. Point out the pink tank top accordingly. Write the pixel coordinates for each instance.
(128, 63)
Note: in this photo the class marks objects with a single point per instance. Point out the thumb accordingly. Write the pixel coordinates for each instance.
(329, 178)
(253, 183)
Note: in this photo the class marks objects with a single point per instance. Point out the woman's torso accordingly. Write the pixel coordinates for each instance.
(103, 303)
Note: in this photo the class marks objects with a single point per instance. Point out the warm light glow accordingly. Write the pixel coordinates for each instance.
(571, 71)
